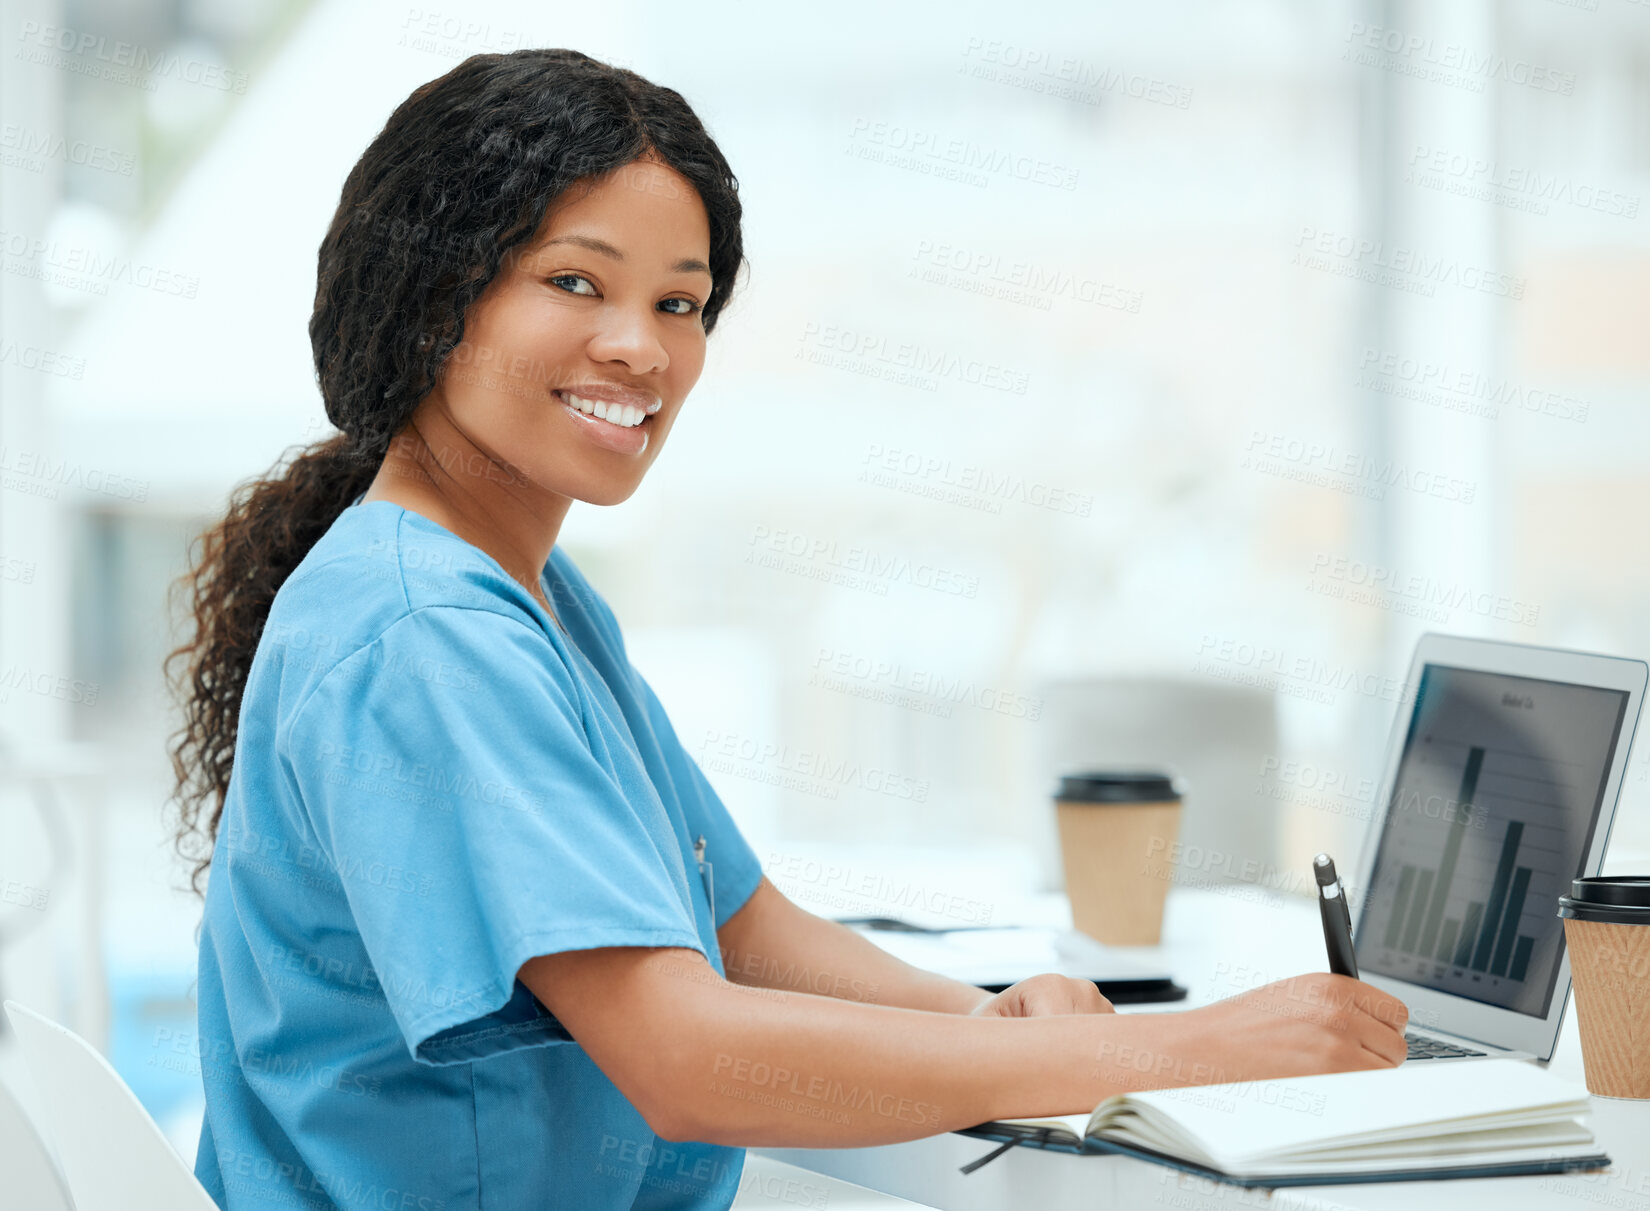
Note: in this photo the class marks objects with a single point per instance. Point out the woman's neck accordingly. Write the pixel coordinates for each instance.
(514, 523)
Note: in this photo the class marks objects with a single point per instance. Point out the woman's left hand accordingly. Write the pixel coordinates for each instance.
(1044, 995)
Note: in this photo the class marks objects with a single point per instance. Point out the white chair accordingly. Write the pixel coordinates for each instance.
(28, 1172)
(113, 1155)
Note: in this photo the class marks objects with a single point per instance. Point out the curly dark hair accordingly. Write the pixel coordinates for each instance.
(463, 172)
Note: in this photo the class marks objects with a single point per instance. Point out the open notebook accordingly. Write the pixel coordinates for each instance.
(1415, 1121)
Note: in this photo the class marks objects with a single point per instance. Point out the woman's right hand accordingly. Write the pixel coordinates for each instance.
(1301, 1026)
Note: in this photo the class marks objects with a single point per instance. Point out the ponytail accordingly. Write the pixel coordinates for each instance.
(270, 526)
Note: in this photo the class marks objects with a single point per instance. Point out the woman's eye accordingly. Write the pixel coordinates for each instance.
(688, 305)
(573, 277)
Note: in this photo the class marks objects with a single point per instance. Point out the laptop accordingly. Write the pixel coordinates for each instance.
(1500, 786)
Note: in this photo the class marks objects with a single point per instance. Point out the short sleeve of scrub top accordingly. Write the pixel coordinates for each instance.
(444, 793)
(539, 847)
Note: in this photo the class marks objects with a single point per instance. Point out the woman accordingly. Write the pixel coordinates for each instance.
(479, 933)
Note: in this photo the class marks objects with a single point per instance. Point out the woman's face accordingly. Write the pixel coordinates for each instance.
(603, 304)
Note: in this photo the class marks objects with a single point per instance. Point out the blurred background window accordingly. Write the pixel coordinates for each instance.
(1212, 350)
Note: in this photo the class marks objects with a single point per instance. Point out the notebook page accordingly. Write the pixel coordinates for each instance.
(1074, 1124)
(1445, 1133)
(1554, 1135)
(1251, 1121)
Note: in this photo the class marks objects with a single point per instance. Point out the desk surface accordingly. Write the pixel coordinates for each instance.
(1277, 936)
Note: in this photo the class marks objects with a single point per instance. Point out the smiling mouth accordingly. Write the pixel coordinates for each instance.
(621, 416)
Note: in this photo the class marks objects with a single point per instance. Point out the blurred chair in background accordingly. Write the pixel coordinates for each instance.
(54, 822)
(1211, 738)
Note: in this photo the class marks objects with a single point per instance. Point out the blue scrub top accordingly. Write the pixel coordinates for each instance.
(431, 785)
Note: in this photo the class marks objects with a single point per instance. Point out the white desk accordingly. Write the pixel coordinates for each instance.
(1276, 937)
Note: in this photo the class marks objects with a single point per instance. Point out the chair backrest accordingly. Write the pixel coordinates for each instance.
(28, 1171)
(113, 1155)
(1212, 735)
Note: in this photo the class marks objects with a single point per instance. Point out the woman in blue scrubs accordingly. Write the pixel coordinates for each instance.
(478, 932)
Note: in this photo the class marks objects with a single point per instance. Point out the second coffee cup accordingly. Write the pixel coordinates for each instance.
(1607, 928)
(1117, 835)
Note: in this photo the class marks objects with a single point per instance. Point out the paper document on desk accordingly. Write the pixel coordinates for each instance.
(1002, 956)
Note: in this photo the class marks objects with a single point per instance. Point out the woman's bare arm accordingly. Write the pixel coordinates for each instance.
(773, 943)
(705, 1059)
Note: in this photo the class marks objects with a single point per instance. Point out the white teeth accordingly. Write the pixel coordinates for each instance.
(624, 415)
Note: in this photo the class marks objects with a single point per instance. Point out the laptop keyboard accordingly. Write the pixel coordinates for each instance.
(1434, 1049)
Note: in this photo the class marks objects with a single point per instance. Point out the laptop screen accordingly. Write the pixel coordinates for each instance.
(1492, 814)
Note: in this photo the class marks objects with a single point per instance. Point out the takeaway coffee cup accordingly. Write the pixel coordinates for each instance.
(1607, 928)
(1117, 833)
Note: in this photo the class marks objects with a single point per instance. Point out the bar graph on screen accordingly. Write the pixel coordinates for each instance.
(1483, 846)
(1490, 809)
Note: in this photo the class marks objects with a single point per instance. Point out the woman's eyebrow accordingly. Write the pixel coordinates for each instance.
(685, 265)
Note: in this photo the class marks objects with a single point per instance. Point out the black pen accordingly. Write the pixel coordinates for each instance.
(1337, 918)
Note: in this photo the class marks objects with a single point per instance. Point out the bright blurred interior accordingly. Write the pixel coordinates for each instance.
(1171, 365)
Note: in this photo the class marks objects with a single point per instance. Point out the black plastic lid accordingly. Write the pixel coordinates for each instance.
(1118, 786)
(1630, 890)
(1618, 899)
